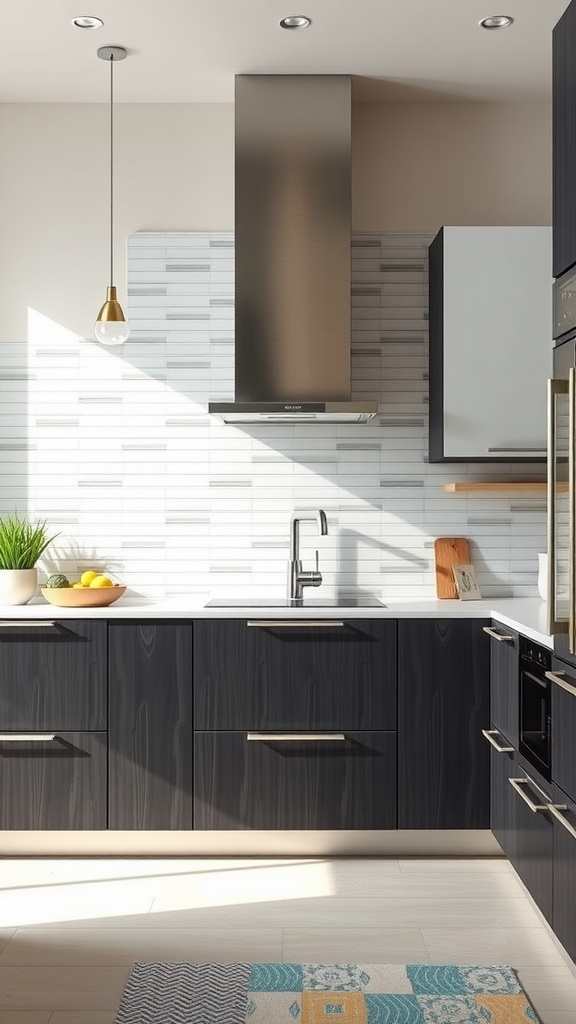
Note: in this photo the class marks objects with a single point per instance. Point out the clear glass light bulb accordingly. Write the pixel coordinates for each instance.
(111, 332)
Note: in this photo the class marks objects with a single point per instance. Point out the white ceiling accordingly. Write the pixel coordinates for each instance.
(184, 51)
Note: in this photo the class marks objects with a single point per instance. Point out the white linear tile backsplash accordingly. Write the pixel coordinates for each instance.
(115, 447)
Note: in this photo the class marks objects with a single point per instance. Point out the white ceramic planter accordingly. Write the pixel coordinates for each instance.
(17, 586)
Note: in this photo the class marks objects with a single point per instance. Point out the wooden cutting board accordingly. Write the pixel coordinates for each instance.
(449, 551)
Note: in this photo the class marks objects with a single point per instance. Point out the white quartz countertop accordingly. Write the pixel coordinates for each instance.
(525, 614)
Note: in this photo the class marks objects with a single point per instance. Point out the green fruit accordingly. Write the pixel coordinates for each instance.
(58, 579)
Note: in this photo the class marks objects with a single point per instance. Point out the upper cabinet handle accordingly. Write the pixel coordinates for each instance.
(295, 623)
(556, 388)
(558, 678)
(497, 636)
(511, 448)
(489, 735)
(22, 623)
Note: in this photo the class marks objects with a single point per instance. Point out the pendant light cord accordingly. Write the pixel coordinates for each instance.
(111, 168)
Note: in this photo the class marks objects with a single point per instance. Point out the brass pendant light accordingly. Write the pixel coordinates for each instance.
(111, 327)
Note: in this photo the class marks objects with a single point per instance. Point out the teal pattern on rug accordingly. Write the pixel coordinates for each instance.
(281, 993)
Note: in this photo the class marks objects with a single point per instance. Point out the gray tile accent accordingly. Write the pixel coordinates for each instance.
(358, 446)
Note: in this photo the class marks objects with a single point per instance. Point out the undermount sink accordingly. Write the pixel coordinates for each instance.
(365, 601)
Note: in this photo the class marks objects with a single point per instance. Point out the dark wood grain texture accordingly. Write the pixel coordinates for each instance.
(294, 678)
(564, 732)
(436, 348)
(503, 799)
(564, 918)
(295, 785)
(443, 704)
(564, 142)
(150, 735)
(504, 683)
(54, 785)
(53, 677)
(533, 853)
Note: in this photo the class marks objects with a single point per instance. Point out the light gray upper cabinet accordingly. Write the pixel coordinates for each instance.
(490, 343)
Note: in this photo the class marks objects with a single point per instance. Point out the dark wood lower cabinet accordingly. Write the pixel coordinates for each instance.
(53, 675)
(564, 728)
(534, 845)
(150, 732)
(291, 783)
(54, 783)
(503, 798)
(443, 705)
(565, 873)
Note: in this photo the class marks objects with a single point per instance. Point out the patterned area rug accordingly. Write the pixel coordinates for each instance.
(183, 993)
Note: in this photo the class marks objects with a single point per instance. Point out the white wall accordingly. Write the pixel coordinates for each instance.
(415, 167)
(174, 171)
(420, 165)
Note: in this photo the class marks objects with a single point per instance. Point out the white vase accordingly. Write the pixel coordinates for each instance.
(543, 575)
(17, 586)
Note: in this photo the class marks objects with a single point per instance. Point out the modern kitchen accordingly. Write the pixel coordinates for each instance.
(288, 524)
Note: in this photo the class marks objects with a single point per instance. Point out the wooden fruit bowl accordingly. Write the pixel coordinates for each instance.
(88, 597)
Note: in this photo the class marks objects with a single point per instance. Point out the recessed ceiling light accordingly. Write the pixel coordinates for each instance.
(497, 21)
(295, 21)
(87, 21)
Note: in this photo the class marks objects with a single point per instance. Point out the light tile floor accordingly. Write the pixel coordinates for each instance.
(70, 929)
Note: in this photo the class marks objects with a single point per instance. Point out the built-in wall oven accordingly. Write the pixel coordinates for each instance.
(535, 706)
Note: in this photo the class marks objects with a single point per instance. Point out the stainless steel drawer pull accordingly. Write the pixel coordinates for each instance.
(557, 677)
(296, 623)
(517, 784)
(497, 636)
(23, 623)
(296, 737)
(510, 448)
(556, 809)
(489, 735)
(24, 737)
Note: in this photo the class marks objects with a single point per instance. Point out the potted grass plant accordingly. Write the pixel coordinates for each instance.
(21, 544)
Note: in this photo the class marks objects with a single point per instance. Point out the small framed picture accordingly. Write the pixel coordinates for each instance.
(466, 584)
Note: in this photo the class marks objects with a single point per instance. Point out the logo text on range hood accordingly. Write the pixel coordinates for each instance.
(324, 412)
(292, 250)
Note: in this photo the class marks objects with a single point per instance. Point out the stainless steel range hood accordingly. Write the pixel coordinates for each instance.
(292, 246)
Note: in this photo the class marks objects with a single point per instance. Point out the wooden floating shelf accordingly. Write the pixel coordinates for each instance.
(463, 486)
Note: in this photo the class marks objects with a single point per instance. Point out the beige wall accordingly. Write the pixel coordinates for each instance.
(174, 171)
(420, 165)
(415, 167)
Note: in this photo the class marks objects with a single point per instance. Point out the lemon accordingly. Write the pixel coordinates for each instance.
(101, 581)
(87, 577)
(78, 586)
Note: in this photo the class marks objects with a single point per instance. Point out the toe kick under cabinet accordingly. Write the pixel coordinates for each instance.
(53, 721)
(295, 724)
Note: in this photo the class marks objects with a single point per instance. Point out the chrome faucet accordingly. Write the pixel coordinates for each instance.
(297, 578)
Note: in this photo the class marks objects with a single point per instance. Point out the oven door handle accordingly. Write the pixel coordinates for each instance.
(557, 677)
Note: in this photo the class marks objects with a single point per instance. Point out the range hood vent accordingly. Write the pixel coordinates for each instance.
(292, 251)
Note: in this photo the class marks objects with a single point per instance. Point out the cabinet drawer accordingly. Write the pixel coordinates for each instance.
(564, 921)
(533, 852)
(564, 727)
(504, 680)
(503, 807)
(295, 674)
(295, 783)
(53, 781)
(53, 675)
